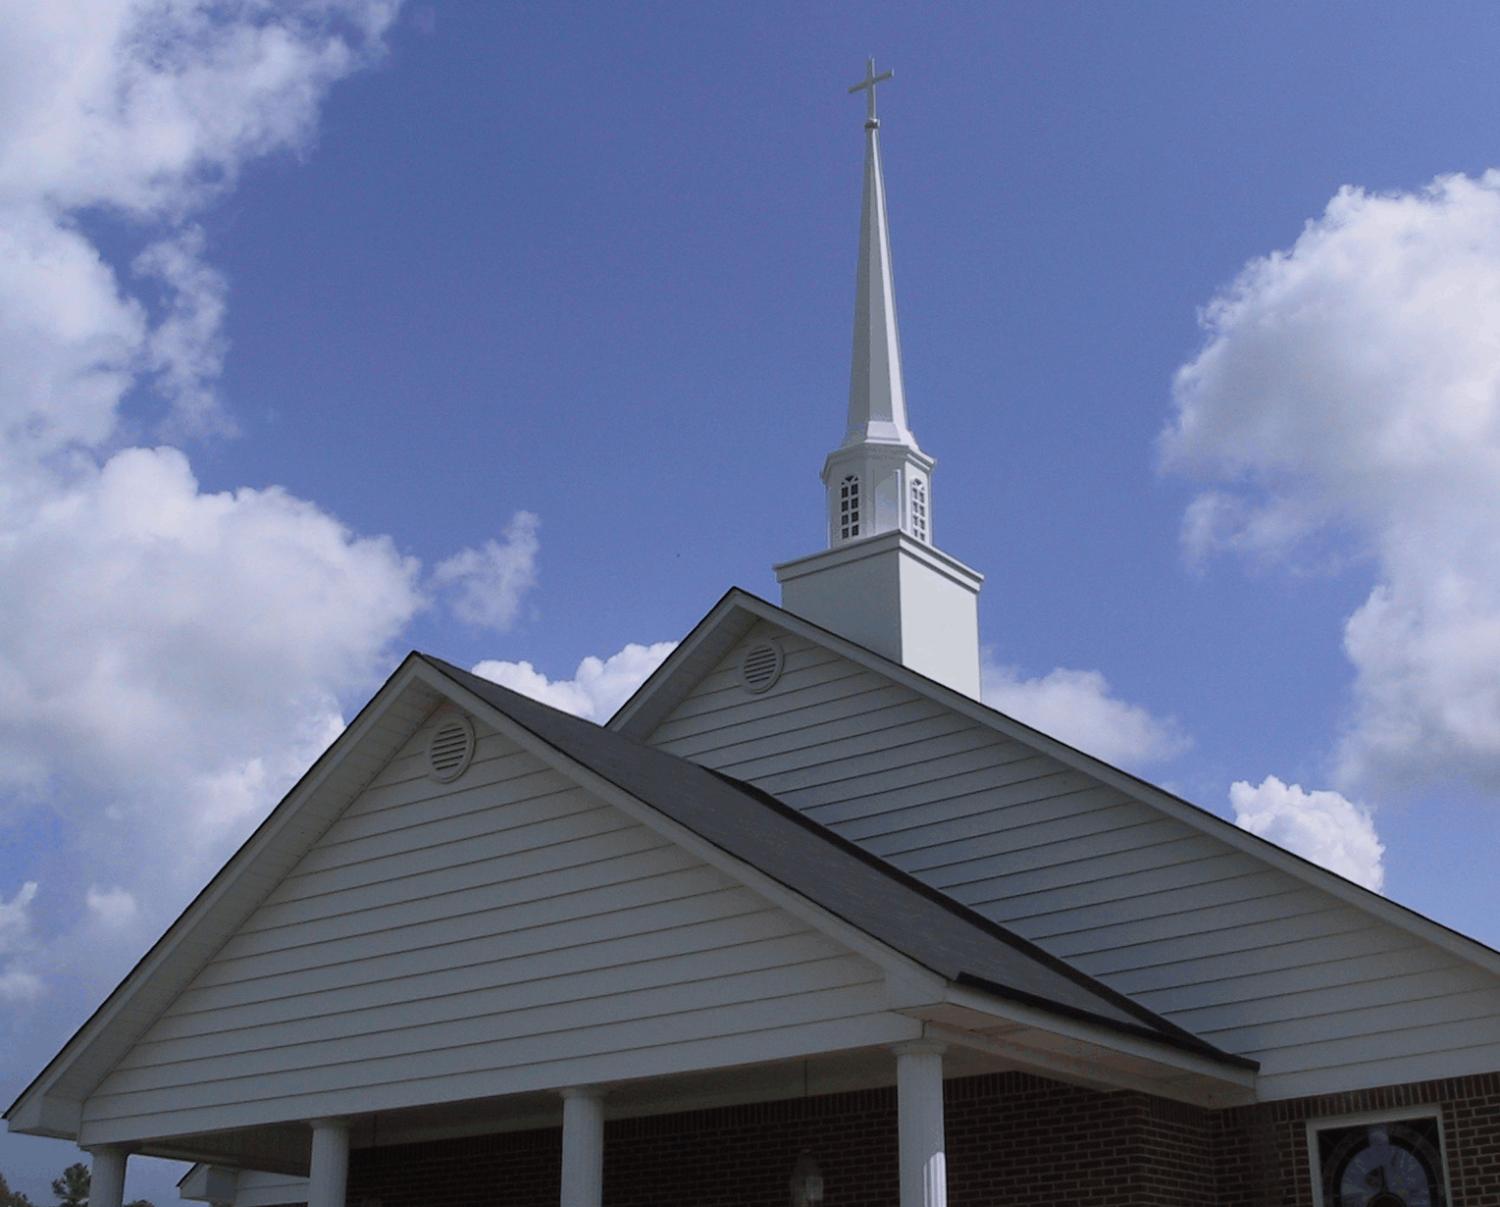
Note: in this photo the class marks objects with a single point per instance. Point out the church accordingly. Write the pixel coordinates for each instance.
(805, 922)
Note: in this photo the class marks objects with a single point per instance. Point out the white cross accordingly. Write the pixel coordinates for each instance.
(868, 85)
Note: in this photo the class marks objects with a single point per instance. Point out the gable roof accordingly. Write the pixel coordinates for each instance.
(908, 916)
(738, 611)
(897, 911)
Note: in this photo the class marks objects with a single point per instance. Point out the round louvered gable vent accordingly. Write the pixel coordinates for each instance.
(761, 666)
(451, 748)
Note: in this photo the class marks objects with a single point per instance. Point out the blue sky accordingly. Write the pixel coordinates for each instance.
(518, 333)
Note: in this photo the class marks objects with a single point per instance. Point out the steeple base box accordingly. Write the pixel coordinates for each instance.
(896, 596)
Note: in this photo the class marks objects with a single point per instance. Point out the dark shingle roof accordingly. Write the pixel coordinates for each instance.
(907, 915)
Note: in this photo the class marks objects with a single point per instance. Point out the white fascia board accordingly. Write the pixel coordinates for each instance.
(260, 1188)
(192, 1182)
(223, 1184)
(1087, 1039)
(209, 1184)
(39, 1114)
(1451, 941)
(208, 921)
(661, 682)
(1091, 1072)
(908, 980)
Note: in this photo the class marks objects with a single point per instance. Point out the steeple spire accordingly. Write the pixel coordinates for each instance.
(877, 395)
(881, 582)
(878, 478)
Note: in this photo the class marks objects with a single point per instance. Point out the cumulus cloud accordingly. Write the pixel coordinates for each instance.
(1324, 827)
(162, 644)
(485, 585)
(111, 909)
(597, 688)
(17, 984)
(1346, 405)
(1076, 707)
(154, 105)
(170, 660)
(185, 351)
(146, 108)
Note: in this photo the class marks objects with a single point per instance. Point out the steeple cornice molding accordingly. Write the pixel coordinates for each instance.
(847, 455)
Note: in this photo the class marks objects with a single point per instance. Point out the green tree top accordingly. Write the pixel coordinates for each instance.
(12, 1198)
(72, 1189)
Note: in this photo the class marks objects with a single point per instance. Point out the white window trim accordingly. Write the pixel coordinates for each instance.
(916, 500)
(849, 525)
(1430, 1110)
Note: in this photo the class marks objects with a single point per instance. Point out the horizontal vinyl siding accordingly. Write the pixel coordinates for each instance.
(1249, 957)
(483, 937)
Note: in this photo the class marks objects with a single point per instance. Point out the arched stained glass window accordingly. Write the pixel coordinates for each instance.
(1389, 1163)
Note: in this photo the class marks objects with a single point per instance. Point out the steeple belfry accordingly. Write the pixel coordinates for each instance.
(882, 582)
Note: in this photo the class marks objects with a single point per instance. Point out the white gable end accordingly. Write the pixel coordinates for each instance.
(1252, 958)
(504, 933)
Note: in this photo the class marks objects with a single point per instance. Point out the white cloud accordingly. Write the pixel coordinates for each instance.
(159, 640)
(1324, 827)
(1347, 405)
(597, 688)
(146, 108)
(1076, 707)
(17, 983)
(70, 340)
(485, 585)
(170, 660)
(111, 909)
(18, 986)
(15, 918)
(185, 351)
(153, 105)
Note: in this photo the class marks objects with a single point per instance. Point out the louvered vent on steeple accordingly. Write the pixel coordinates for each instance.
(450, 749)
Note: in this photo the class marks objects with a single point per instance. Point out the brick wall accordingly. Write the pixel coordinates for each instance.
(513, 1169)
(1014, 1140)
(1018, 1139)
(1263, 1159)
(743, 1156)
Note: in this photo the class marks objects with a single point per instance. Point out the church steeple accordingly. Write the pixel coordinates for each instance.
(881, 582)
(878, 478)
(877, 395)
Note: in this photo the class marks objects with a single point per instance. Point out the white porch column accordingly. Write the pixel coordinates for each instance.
(582, 1147)
(919, 1123)
(328, 1180)
(107, 1175)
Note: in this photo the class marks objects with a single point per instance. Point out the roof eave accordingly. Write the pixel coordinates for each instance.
(1087, 1051)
